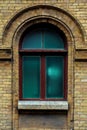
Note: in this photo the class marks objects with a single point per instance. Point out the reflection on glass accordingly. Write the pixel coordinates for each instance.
(54, 72)
(31, 76)
(54, 76)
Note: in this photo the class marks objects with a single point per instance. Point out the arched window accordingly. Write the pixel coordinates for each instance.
(43, 63)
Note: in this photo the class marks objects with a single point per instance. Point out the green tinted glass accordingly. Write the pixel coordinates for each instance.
(52, 40)
(54, 76)
(32, 40)
(31, 76)
(42, 38)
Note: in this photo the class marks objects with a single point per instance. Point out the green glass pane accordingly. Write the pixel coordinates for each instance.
(32, 40)
(31, 76)
(52, 40)
(54, 76)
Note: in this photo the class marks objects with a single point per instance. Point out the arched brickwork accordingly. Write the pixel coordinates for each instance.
(37, 14)
(43, 12)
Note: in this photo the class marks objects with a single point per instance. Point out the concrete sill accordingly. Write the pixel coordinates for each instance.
(42, 105)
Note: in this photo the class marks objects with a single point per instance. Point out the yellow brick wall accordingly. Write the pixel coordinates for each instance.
(5, 95)
(76, 8)
(80, 102)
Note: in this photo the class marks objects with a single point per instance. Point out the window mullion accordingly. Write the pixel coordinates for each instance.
(42, 39)
(43, 77)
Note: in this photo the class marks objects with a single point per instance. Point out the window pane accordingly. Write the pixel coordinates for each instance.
(54, 76)
(52, 40)
(32, 40)
(31, 76)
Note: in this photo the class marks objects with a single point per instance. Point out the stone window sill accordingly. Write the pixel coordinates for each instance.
(42, 105)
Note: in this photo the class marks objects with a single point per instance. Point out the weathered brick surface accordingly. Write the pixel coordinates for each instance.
(77, 58)
(5, 96)
(80, 108)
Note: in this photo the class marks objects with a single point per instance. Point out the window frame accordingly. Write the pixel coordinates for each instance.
(43, 53)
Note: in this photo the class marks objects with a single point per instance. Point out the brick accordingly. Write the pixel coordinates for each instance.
(77, 59)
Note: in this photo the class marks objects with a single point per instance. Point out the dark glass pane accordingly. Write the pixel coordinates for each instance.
(31, 76)
(54, 76)
(32, 40)
(52, 40)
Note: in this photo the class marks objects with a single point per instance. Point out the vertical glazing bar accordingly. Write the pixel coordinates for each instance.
(42, 77)
(42, 39)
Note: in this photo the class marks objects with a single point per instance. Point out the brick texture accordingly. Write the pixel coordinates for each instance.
(71, 17)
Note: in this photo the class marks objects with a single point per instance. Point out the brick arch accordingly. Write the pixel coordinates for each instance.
(62, 19)
(37, 14)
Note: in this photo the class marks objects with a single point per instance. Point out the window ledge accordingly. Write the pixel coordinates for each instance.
(43, 105)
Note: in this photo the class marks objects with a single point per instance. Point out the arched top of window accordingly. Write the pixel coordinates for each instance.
(43, 63)
(42, 36)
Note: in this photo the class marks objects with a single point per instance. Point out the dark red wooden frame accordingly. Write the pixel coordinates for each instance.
(43, 53)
